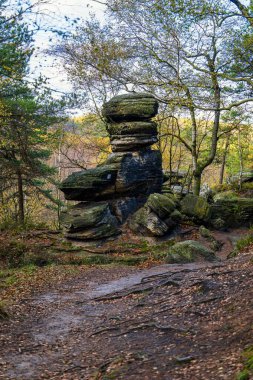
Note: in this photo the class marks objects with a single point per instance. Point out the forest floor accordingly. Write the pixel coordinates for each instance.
(170, 322)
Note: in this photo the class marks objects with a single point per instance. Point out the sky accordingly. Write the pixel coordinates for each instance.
(52, 15)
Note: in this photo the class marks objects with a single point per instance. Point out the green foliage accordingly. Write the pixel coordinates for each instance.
(241, 245)
(247, 371)
(244, 242)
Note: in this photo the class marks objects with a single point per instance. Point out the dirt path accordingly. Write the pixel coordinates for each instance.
(168, 322)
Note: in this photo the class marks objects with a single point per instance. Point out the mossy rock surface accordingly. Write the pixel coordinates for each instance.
(196, 207)
(162, 205)
(123, 174)
(147, 222)
(236, 212)
(189, 251)
(131, 142)
(127, 128)
(225, 195)
(90, 221)
(84, 215)
(128, 107)
(86, 185)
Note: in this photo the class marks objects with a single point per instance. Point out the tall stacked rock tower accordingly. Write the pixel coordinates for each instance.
(114, 190)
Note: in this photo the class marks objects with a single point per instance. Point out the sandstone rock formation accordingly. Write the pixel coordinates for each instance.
(113, 191)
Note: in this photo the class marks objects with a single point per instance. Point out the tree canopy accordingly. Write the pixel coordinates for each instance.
(190, 54)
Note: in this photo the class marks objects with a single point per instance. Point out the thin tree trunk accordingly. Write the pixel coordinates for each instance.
(196, 183)
(21, 206)
(240, 158)
(224, 159)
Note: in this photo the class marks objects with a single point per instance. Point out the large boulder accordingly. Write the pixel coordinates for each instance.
(158, 216)
(146, 222)
(196, 208)
(91, 184)
(130, 174)
(130, 107)
(90, 220)
(162, 205)
(189, 251)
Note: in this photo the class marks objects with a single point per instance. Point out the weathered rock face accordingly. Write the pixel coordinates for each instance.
(226, 211)
(130, 107)
(234, 212)
(196, 208)
(113, 191)
(157, 217)
(90, 221)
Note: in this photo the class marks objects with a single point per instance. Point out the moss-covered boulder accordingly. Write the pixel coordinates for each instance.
(90, 221)
(174, 219)
(158, 216)
(189, 251)
(90, 184)
(162, 205)
(130, 107)
(146, 222)
(229, 194)
(196, 208)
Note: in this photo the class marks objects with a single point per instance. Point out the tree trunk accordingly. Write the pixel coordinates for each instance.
(240, 150)
(196, 183)
(21, 206)
(224, 158)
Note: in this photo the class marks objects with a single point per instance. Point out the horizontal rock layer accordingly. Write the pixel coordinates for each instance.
(90, 221)
(129, 107)
(129, 174)
(131, 142)
(132, 128)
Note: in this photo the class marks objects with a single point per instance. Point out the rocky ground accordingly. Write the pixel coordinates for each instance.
(190, 321)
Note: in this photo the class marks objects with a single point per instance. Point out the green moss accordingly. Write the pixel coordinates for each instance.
(235, 212)
(241, 244)
(195, 207)
(189, 251)
(205, 232)
(162, 205)
(247, 371)
(244, 242)
(243, 375)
